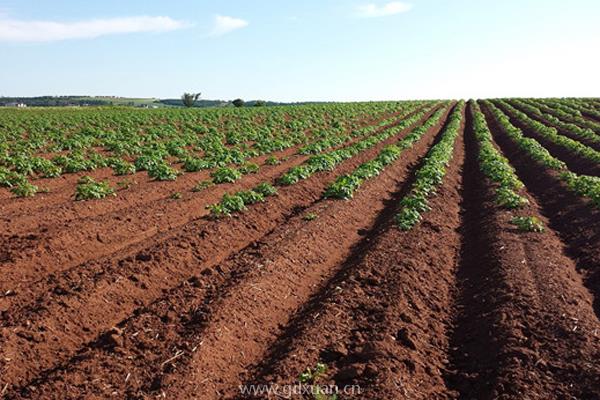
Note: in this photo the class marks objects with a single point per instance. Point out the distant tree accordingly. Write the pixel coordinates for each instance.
(238, 103)
(189, 99)
(260, 103)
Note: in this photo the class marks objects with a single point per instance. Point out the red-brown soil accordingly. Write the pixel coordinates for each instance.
(180, 306)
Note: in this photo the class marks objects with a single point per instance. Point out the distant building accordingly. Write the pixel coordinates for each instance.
(18, 105)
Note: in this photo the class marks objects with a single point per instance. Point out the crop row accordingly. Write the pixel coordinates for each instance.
(583, 185)
(538, 110)
(495, 166)
(328, 161)
(345, 185)
(431, 174)
(567, 111)
(316, 163)
(551, 134)
(153, 149)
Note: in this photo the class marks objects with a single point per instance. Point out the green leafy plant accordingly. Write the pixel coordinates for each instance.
(248, 168)
(528, 224)
(24, 189)
(200, 186)
(225, 175)
(310, 217)
(266, 189)
(176, 195)
(271, 160)
(162, 172)
(87, 189)
(430, 175)
(312, 377)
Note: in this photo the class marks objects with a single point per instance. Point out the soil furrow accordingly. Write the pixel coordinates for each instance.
(525, 325)
(89, 300)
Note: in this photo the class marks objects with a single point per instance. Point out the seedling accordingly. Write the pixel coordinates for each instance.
(24, 189)
(176, 195)
(528, 224)
(271, 160)
(200, 186)
(310, 217)
(312, 376)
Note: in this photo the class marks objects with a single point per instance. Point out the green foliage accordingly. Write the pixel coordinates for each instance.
(271, 160)
(249, 168)
(310, 217)
(583, 185)
(24, 189)
(122, 167)
(430, 175)
(225, 175)
(87, 189)
(495, 166)
(312, 377)
(162, 172)
(200, 186)
(176, 195)
(528, 224)
(194, 164)
(238, 103)
(266, 189)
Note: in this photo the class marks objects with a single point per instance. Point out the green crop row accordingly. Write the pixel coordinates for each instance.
(49, 142)
(238, 201)
(345, 186)
(495, 166)
(575, 130)
(327, 161)
(567, 111)
(583, 185)
(551, 134)
(431, 174)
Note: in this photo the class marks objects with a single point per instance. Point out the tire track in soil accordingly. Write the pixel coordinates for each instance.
(524, 324)
(574, 162)
(380, 323)
(89, 300)
(54, 250)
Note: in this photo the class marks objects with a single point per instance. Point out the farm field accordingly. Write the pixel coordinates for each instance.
(406, 250)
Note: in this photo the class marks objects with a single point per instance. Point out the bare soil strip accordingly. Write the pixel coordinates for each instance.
(90, 299)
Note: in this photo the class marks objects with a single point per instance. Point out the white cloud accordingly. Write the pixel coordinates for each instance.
(224, 24)
(13, 30)
(373, 10)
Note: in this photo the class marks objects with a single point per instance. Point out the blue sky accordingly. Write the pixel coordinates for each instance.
(293, 51)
